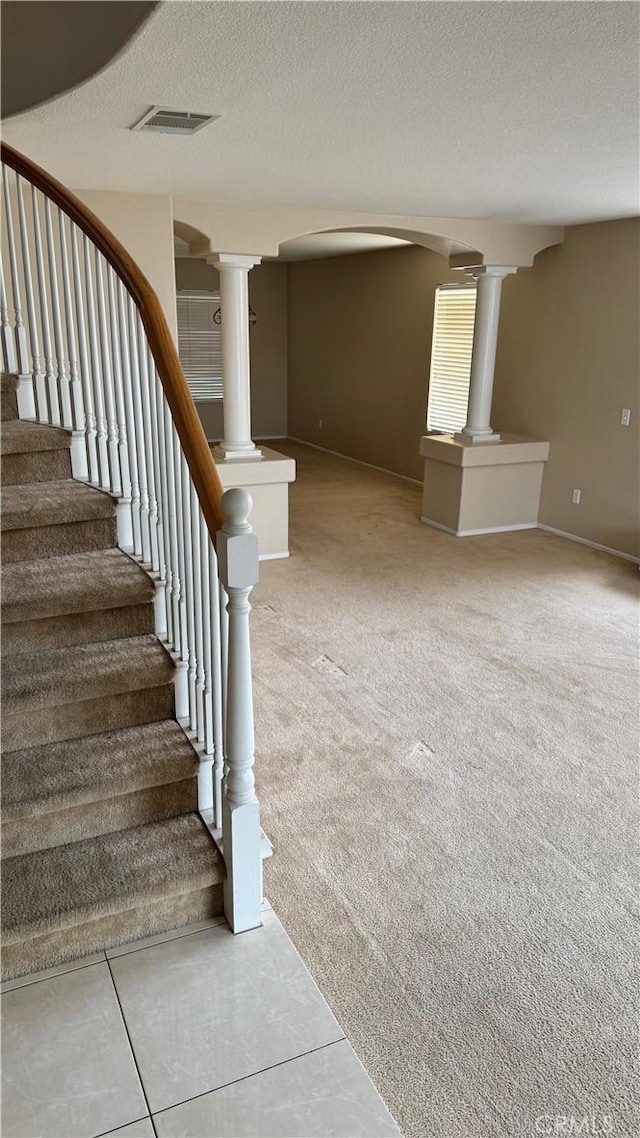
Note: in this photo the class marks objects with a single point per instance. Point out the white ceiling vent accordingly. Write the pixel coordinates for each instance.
(163, 121)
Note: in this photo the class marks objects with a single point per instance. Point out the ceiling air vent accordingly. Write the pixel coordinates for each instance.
(163, 121)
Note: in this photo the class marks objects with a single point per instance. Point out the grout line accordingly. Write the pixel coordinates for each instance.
(143, 1118)
(41, 979)
(180, 936)
(133, 1054)
(243, 1078)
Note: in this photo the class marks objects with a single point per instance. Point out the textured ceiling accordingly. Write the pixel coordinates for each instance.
(509, 111)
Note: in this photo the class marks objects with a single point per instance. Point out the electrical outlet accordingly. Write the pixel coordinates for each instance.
(320, 424)
(625, 416)
(576, 496)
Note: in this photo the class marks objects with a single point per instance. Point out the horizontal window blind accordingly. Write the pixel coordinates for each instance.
(451, 349)
(200, 344)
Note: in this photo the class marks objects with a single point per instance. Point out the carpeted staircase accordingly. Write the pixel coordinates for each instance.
(100, 839)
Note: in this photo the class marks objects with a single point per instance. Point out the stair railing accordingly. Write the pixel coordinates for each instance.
(86, 335)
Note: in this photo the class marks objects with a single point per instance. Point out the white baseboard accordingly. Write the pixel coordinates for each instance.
(273, 556)
(479, 532)
(592, 544)
(358, 461)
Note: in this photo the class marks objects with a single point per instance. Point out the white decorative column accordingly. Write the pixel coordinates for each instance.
(234, 305)
(483, 362)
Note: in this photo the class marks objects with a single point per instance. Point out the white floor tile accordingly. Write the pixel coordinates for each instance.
(207, 1009)
(140, 1129)
(159, 938)
(323, 1095)
(67, 1068)
(58, 970)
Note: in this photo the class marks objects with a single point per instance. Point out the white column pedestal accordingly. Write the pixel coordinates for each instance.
(483, 361)
(268, 483)
(237, 444)
(492, 488)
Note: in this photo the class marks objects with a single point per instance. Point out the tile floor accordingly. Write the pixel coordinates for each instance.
(193, 1033)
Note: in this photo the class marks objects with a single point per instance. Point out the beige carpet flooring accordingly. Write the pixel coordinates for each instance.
(447, 762)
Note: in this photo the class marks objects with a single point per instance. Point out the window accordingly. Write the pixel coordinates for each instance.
(200, 343)
(453, 321)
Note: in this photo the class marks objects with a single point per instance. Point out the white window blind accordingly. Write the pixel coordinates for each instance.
(200, 343)
(454, 317)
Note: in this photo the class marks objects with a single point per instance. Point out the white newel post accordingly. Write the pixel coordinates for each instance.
(483, 361)
(234, 325)
(237, 548)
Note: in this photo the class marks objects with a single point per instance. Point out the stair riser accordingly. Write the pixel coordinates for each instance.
(77, 628)
(8, 404)
(93, 818)
(26, 726)
(32, 955)
(55, 541)
(35, 466)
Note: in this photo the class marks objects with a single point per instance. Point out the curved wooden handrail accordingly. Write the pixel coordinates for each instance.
(190, 431)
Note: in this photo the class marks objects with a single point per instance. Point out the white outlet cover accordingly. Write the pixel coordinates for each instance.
(625, 416)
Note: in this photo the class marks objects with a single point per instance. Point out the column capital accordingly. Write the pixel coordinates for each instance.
(222, 261)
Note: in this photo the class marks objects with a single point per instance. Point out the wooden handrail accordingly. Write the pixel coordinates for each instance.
(190, 431)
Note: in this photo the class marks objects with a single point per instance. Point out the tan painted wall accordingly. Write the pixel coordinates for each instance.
(268, 343)
(359, 353)
(144, 224)
(568, 361)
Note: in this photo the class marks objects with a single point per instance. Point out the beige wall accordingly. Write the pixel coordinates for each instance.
(568, 361)
(144, 225)
(268, 340)
(359, 352)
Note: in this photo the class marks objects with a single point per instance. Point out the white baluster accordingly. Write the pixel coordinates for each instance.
(51, 382)
(182, 683)
(201, 613)
(141, 445)
(62, 379)
(238, 560)
(187, 536)
(115, 475)
(38, 382)
(79, 463)
(9, 359)
(198, 604)
(154, 449)
(84, 364)
(96, 376)
(164, 619)
(173, 579)
(26, 392)
(129, 418)
(215, 686)
(148, 435)
(124, 517)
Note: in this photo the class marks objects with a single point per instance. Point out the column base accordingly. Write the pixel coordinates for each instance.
(470, 489)
(476, 440)
(229, 453)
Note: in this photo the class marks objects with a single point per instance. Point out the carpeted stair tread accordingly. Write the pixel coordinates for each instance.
(20, 436)
(83, 672)
(53, 503)
(77, 583)
(67, 885)
(58, 776)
